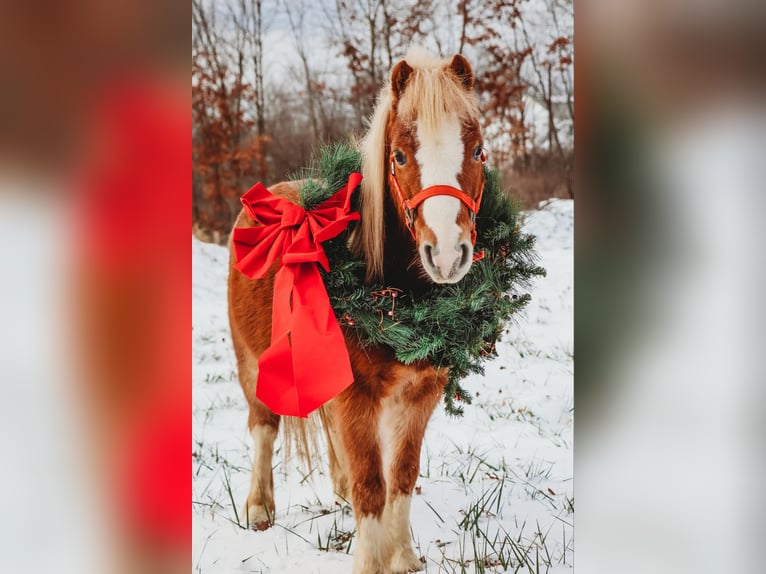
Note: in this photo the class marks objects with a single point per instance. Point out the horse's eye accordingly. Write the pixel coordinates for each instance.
(478, 153)
(400, 158)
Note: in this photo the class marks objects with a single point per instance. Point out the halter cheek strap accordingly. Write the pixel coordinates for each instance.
(409, 205)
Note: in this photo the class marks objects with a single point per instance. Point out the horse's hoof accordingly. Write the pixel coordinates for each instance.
(404, 561)
(260, 526)
(256, 518)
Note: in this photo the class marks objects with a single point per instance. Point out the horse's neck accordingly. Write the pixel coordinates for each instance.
(400, 266)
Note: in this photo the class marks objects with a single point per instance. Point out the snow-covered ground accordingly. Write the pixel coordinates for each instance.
(495, 492)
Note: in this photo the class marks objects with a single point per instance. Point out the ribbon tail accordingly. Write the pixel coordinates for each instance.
(307, 363)
(276, 378)
(320, 358)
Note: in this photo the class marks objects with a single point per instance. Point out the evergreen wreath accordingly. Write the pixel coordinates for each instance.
(455, 325)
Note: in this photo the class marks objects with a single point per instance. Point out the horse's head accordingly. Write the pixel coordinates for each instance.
(425, 150)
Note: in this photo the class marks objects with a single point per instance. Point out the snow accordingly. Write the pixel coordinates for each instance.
(495, 485)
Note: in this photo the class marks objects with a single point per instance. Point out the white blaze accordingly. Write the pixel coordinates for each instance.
(440, 157)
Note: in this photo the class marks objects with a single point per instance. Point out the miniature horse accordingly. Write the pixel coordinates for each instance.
(424, 135)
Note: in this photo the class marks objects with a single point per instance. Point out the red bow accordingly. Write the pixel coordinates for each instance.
(307, 363)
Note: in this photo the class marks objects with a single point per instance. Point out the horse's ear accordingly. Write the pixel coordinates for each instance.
(399, 76)
(462, 69)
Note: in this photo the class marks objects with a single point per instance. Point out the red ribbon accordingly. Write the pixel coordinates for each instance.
(307, 363)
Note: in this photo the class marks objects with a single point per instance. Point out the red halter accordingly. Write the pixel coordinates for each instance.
(409, 205)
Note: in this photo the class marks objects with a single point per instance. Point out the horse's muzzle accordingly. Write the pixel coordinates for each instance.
(446, 264)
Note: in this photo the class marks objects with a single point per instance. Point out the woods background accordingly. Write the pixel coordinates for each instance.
(272, 79)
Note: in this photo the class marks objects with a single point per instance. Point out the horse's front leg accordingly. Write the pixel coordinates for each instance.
(357, 410)
(403, 420)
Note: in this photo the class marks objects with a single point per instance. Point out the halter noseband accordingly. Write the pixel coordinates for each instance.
(409, 205)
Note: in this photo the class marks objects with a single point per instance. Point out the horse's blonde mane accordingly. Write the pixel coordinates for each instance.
(370, 233)
(432, 92)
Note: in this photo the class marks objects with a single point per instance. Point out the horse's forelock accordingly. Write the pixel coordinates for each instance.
(433, 93)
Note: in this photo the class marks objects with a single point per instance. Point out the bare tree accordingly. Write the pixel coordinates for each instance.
(542, 71)
(358, 22)
(208, 79)
(563, 46)
(372, 34)
(247, 17)
(227, 155)
(296, 14)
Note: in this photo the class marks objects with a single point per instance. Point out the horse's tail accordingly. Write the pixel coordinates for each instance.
(301, 438)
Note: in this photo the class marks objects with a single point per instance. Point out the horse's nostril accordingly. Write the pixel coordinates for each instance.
(466, 254)
(428, 249)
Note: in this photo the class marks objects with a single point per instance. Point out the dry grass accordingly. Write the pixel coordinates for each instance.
(540, 176)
